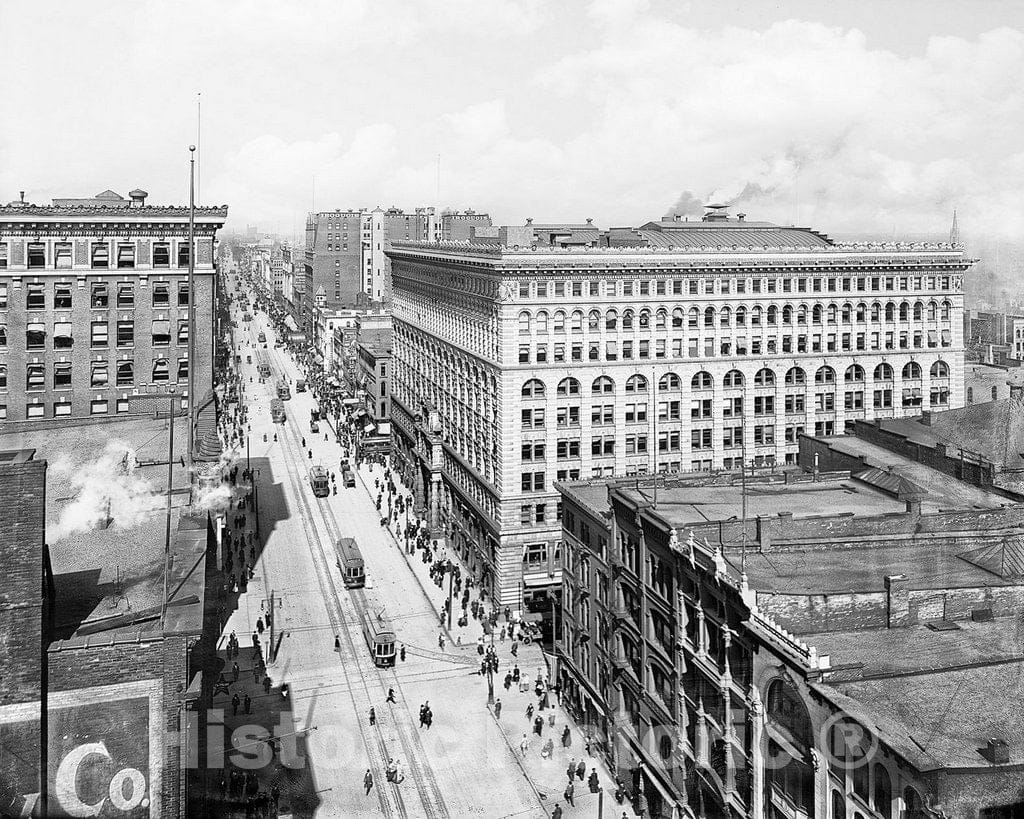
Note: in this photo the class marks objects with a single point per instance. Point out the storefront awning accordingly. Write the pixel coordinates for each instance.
(289, 322)
(368, 428)
(348, 402)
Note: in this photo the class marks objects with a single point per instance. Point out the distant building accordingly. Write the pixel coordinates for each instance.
(990, 382)
(374, 375)
(586, 234)
(517, 368)
(836, 640)
(94, 307)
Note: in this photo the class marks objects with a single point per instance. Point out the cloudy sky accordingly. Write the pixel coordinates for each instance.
(868, 116)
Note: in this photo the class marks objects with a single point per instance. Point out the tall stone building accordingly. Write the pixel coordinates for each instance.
(694, 348)
(94, 306)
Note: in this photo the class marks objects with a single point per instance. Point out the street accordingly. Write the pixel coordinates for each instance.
(465, 763)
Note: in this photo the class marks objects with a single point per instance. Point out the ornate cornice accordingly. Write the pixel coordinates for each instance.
(105, 211)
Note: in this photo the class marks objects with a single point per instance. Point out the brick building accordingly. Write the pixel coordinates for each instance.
(516, 368)
(836, 641)
(94, 307)
(99, 644)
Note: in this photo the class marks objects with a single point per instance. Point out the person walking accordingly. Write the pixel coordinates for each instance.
(497, 708)
(368, 781)
(401, 652)
(529, 711)
(235, 702)
(581, 769)
(557, 812)
(524, 745)
(566, 737)
(592, 781)
(548, 749)
(248, 704)
(391, 695)
(373, 717)
(571, 770)
(235, 672)
(569, 793)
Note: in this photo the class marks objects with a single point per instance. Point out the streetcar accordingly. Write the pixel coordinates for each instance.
(300, 386)
(350, 561)
(283, 391)
(262, 337)
(277, 411)
(263, 364)
(320, 481)
(380, 636)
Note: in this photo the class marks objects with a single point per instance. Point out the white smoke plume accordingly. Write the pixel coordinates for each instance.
(213, 499)
(106, 486)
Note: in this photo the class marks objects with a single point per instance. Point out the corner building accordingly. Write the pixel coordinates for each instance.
(701, 344)
(94, 306)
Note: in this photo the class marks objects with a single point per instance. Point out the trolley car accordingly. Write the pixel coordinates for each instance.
(277, 411)
(350, 561)
(263, 364)
(320, 482)
(284, 392)
(380, 636)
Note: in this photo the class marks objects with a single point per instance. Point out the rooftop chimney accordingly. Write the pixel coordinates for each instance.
(529, 220)
(138, 198)
(590, 221)
(741, 216)
(22, 195)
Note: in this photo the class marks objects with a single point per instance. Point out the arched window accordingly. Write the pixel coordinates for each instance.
(854, 373)
(764, 378)
(542, 322)
(876, 311)
(913, 804)
(883, 372)
(645, 319)
(817, 314)
(709, 316)
(677, 317)
(733, 378)
(787, 314)
(946, 307)
(890, 311)
(3, 376)
(933, 311)
(794, 776)
(773, 315)
(627, 320)
(825, 375)
(524, 323)
(833, 314)
(795, 376)
(594, 320)
(912, 370)
(577, 321)
(883, 792)
(801, 314)
(611, 319)
(694, 317)
(602, 386)
(568, 386)
(862, 312)
(918, 311)
(161, 372)
(847, 313)
(702, 381)
(725, 317)
(838, 805)
(669, 381)
(660, 318)
(904, 311)
(755, 315)
(940, 370)
(559, 322)
(534, 388)
(741, 316)
(636, 383)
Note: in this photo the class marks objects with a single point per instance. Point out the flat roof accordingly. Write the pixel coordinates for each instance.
(943, 491)
(103, 572)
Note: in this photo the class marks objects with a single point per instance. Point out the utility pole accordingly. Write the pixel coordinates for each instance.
(191, 307)
(170, 486)
(451, 594)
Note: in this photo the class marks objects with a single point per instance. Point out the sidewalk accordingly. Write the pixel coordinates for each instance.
(547, 776)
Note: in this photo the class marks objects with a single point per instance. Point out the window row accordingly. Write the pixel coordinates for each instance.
(727, 285)
(99, 374)
(703, 380)
(756, 316)
(99, 334)
(63, 299)
(60, 255)
(711, 347)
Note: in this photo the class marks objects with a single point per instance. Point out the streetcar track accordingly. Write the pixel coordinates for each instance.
(423, 778)
(377, 751)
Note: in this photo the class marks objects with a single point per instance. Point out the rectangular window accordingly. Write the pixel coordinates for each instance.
(35, 410)
(161, 294)
(99, 374)
(182, 369)
(35, 297)
(161, 254)
(62, 374)
(524, 353)
(825, 402)
(98, 407)
(62, 335)
(125, 296)
(100, 334)
(3, 255)
(100, 255)
(183, 294)
(183, 333)
(577, 289)
(36, 255)
(764, 405)
(183, 254)
(35, 335)
(161, 333)
(125, 373)
(126, 257)
(526, 511)
(35, 377)
(125, 333)
(62, 297)
(100, 296)
(62, 256)
(61, 409)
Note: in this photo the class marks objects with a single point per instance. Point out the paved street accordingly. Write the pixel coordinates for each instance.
(467, 763)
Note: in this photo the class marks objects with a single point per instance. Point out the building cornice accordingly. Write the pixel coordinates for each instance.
(104, 213)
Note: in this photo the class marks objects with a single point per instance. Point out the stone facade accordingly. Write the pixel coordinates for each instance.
(554, 364)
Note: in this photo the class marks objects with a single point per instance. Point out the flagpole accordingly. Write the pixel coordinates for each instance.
(191, 306)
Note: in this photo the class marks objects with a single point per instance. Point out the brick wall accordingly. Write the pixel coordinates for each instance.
(21, 594)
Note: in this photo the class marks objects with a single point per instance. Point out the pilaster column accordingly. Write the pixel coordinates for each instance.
(756, 717)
